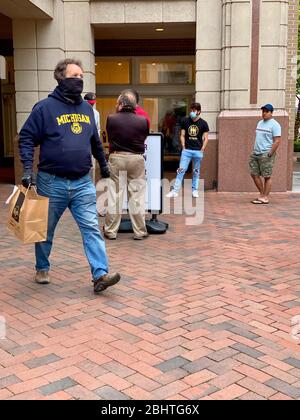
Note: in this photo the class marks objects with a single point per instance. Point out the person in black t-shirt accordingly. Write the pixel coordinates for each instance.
(194, 139)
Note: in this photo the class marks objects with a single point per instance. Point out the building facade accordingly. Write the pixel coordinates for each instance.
(232, 56)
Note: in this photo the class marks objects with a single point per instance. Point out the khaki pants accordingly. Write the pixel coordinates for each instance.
(126, 171)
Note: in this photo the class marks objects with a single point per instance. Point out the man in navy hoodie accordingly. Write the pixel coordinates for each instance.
(63, 125)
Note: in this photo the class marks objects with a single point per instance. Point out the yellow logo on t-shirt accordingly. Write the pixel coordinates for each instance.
(193, 130)
(76, 128)
(73, 118)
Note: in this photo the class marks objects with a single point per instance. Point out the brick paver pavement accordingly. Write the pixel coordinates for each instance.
(202, 312)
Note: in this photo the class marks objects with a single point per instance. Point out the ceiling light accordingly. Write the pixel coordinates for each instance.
(159, 29)
(119, 64)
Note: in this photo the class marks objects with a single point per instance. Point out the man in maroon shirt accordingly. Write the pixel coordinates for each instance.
(126, 133)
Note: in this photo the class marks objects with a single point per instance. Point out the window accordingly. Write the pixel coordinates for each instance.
(166, 115)
(172, 72)
(112, 71)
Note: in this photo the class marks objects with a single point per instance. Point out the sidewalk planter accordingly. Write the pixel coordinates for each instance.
(297, 146)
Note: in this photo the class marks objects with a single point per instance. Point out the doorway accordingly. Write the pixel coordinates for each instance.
(8, 125)
(166, 86)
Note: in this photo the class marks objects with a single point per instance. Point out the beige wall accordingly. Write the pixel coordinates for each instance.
(39, 45)
(236, 53)
(273, 52)
(81, 44)
(132, 11)
(236, 33)
(208, 59)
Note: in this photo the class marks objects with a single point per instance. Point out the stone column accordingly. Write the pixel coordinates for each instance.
(26, 73)
(208, 77)
(253, 74)
(50, 48)
(79, 39)
(291, 78)
(40, 44)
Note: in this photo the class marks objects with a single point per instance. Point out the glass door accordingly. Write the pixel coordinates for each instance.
(166, 115)
(105, 106)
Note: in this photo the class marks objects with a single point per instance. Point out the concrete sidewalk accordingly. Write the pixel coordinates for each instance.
(202, 312)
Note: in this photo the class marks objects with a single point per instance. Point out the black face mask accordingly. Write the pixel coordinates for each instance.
(71, 87)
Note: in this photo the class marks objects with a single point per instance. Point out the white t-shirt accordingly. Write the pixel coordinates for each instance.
(265, 131)
(97, 119)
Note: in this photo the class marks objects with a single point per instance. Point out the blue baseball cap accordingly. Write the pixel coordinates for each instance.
(268, 107)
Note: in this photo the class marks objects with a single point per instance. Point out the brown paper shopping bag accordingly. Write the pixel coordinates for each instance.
(28, 215)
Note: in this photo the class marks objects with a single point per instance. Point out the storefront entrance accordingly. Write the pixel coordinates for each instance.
(8, 128)
(166, 87)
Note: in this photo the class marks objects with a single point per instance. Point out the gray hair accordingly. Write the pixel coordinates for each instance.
(127, 102)
(132, 92)
(61, 67)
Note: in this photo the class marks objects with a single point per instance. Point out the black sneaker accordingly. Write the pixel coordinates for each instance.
(106, 281)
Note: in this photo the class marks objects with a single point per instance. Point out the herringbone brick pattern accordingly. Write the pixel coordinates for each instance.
(203, 312)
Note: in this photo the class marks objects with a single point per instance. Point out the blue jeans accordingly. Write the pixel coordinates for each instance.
(186, 156)
(80, 197)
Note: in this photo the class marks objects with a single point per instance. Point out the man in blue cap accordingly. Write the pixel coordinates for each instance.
(268, 137)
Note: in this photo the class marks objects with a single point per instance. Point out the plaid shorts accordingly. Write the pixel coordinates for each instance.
(261, 165)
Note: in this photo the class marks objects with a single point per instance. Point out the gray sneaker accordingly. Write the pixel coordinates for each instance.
(42, 277)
